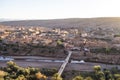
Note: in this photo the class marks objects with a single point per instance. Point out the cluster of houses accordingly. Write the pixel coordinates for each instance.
(36, 35)
(49, 36)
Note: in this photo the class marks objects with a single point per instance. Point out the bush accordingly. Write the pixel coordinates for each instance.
(78, 78)
(16, 72)
(117, 76)
(97, 68)
(56, 77)
(48, 72)
(88, 78)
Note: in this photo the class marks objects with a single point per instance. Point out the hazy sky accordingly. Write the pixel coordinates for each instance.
(51, 9)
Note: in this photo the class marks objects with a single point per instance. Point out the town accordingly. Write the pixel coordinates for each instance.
(42, 43)
(31, 40)
(59, 40)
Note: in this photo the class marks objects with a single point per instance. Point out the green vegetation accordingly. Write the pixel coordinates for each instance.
(48, 72)
(56, 77)
(30, 49)
(14, 72)
(117, 35)
(78, 78)
(60, 43)
(97, 74)
(105, 50)
(2, 74)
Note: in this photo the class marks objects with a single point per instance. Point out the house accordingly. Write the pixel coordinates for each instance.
(84, 34)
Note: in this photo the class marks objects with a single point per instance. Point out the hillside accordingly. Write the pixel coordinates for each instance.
(110, 22)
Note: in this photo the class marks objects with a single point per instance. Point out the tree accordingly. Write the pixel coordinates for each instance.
(97, 68)
(56, 77)
(117, 76)
(108, 75)
(40, 76)
(60, 44)
(15, 72)
(2, 74)
(98, 73)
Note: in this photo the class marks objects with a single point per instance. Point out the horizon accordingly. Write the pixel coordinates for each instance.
(5, 19)
(54, 9)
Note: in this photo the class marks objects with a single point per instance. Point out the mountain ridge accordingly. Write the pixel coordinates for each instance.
(68, 22)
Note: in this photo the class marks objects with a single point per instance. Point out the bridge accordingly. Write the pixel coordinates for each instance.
(64, 63)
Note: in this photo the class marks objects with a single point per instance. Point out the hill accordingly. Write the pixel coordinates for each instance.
(108, 22)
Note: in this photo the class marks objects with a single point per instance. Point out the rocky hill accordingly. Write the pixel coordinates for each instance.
(107, 22)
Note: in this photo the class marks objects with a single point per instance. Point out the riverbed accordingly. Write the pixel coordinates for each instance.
(47, 62)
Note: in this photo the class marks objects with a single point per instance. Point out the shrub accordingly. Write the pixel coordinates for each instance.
(97, 68)
(117, 76)
(56, 77)
(2, 74)
(40, 76)
(88, 78)
(78, 78)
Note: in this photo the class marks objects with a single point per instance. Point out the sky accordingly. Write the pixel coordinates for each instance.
(54, 9)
